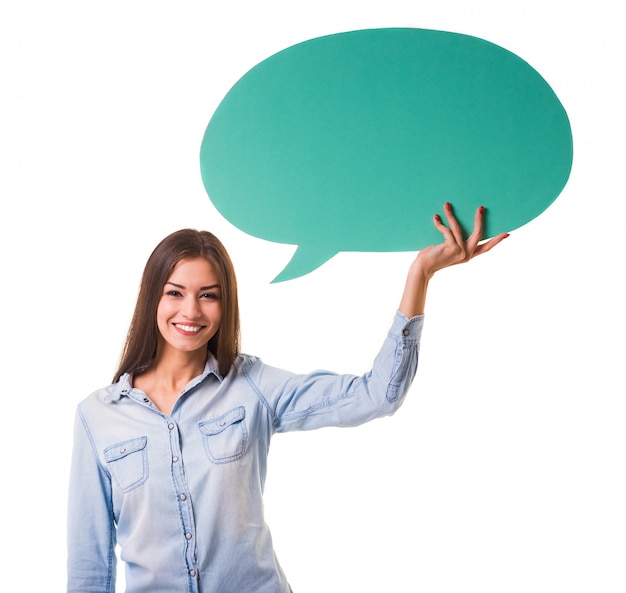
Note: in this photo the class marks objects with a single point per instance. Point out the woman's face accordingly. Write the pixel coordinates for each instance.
(189, 312)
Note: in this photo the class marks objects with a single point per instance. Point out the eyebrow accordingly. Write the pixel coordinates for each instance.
(201, 288)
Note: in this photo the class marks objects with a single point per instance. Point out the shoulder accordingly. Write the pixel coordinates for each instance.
(244, 361)
(258, 373)
(105, 395)
(244, 364)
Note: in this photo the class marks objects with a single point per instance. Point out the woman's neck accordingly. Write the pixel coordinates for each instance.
(168, 375)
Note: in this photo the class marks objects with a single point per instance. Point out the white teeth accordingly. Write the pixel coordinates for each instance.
(188, 328)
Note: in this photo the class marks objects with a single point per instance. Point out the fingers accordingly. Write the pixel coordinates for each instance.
(442, 228)
(477, 232)
(455, 227)
(450, 243)
(454, 234)
(484, 247)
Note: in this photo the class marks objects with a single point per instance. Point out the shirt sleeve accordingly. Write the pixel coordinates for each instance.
(91, 535)
(323, 398)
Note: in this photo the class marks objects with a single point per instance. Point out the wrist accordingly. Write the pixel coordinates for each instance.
(420, 271)
(414, 297)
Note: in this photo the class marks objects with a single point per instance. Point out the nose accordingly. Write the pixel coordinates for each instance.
(191, 308)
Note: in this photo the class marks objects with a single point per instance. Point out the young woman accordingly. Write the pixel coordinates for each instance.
(170, 460)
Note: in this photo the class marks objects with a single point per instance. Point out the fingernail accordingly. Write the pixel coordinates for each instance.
(448, 206)
(481, 209)
(437, 217)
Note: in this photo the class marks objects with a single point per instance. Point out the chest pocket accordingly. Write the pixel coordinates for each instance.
(225, 438)
(128, 462)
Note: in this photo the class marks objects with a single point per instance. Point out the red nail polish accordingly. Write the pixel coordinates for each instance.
(437, 218)
(482, 209)
(448, 206)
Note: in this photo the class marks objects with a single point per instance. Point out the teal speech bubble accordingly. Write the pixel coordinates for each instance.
(352, 141)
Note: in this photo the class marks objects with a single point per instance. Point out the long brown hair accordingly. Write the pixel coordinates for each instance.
(143, 334)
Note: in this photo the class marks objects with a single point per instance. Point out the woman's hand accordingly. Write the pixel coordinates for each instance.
(453, 250)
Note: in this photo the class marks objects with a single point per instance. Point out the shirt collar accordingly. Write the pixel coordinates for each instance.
(124, 386)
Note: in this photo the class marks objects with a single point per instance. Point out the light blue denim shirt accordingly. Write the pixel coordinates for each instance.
(182, 494)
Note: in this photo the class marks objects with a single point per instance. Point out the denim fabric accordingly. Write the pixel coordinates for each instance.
(182, 494)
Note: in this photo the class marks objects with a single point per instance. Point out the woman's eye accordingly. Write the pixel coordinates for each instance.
(209, 295)
(173, 293)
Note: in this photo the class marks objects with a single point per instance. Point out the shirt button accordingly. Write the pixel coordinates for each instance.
(192, 572)
(171, 426)
(146, 399)
(405, 332)
(175, 459)
(123, 450)
(188, 535)
(183, 497)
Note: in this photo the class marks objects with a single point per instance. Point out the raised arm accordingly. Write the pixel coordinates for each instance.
(453, 250)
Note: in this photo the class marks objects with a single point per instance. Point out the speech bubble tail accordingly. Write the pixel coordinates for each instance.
(304, 260)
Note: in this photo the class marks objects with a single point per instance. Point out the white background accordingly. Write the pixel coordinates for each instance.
(504, 471)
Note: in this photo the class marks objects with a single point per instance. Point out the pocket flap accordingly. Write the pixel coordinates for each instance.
(121, 450)
(217, 425)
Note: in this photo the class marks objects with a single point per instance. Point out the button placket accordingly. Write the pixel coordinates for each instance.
(182, 497)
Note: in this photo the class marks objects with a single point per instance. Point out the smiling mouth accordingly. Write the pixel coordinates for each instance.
(194, 329)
